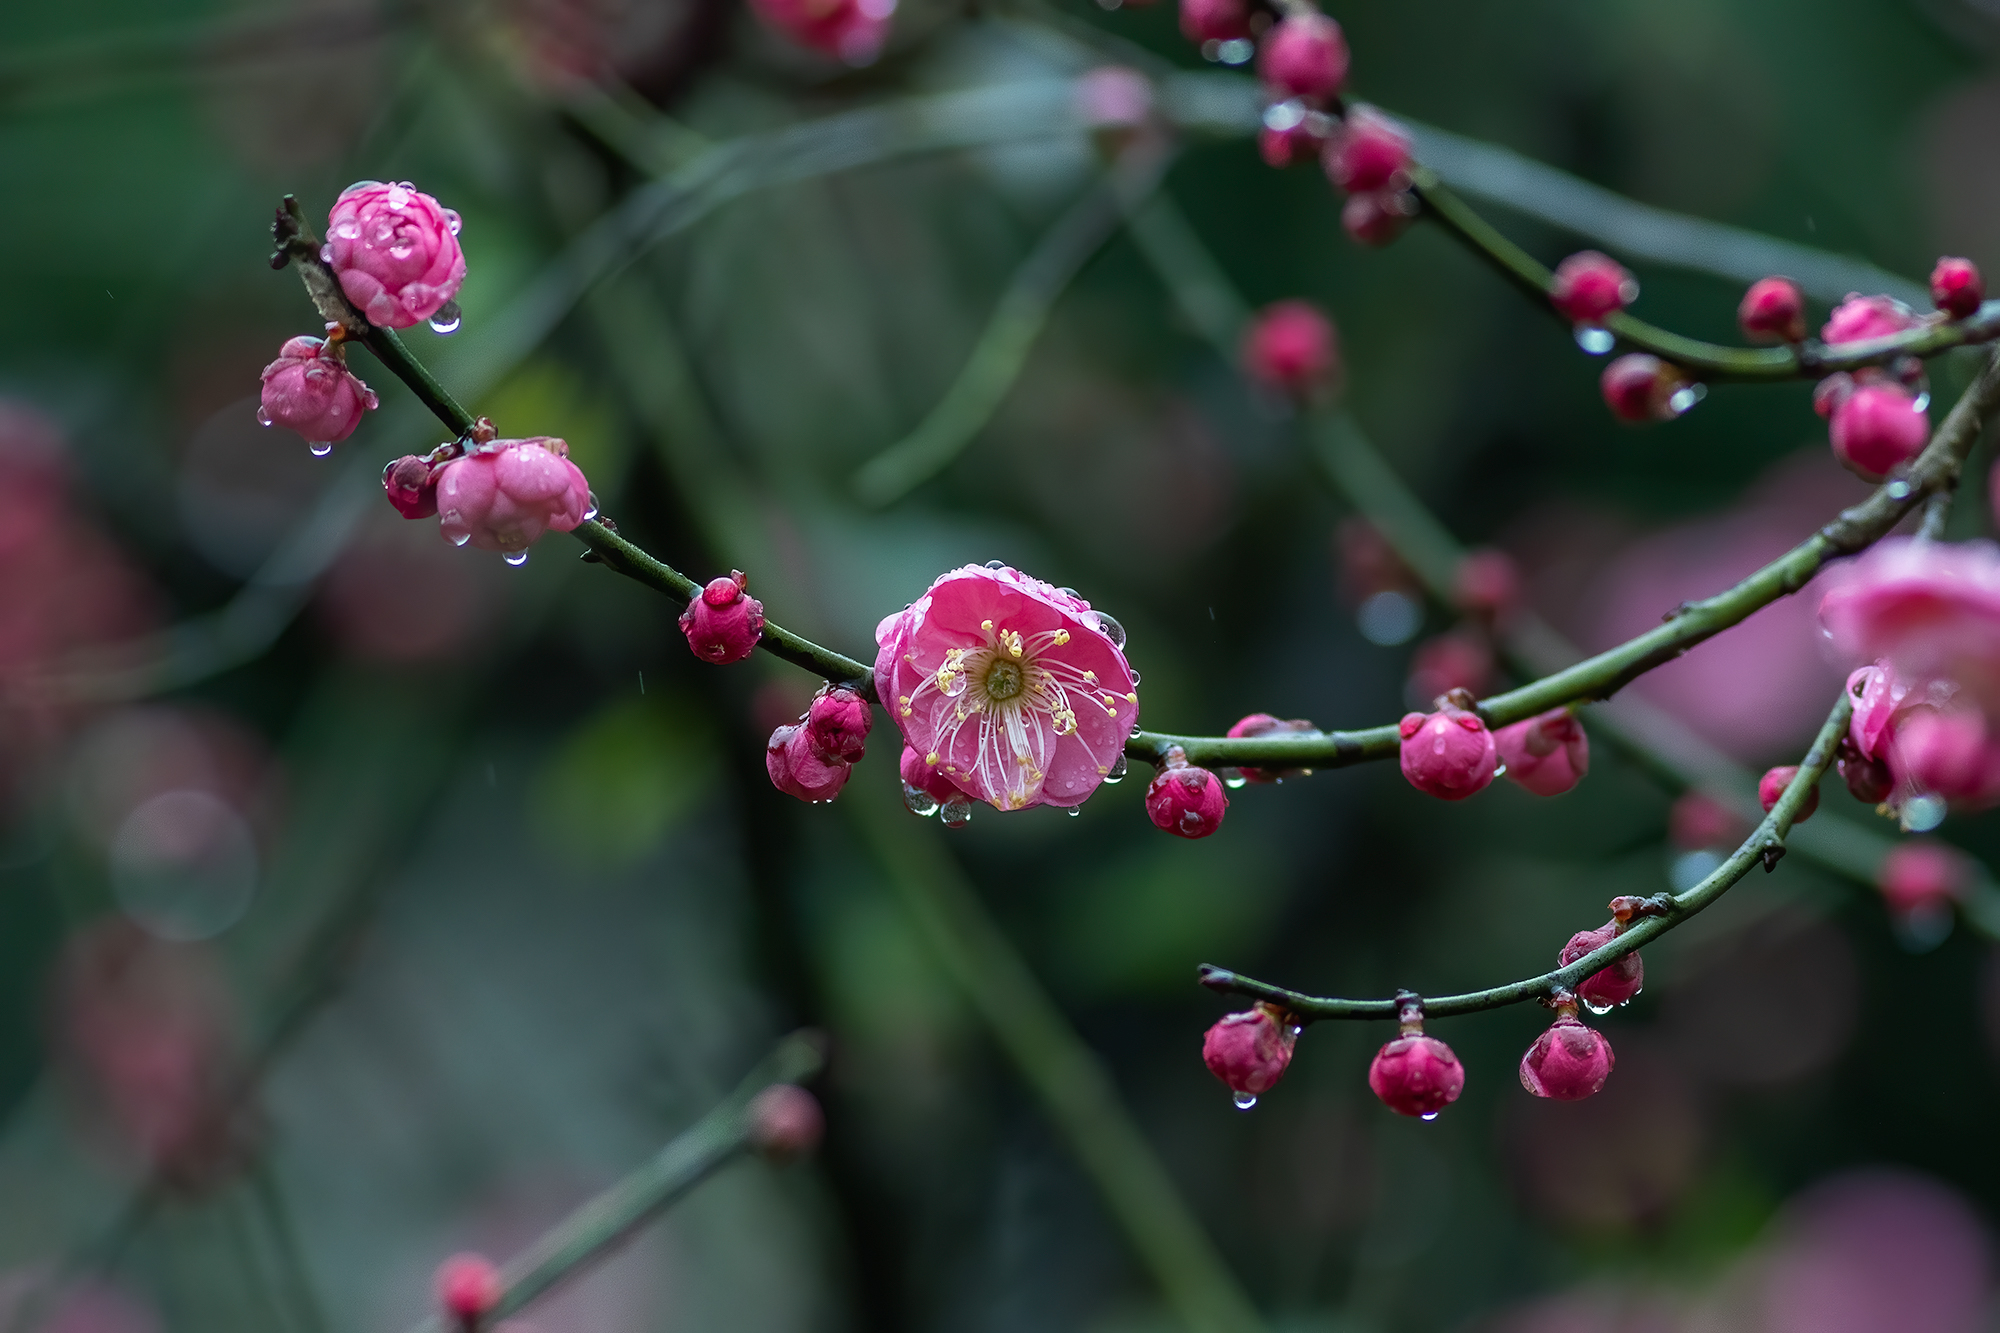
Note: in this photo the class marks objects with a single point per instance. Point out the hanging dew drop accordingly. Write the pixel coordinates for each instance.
(1112, 629)
(263, 417)
(1594, 340)
(516, 558)
(320, 448)
(1245, 1100)
(1683, 400)
(956, 813)
(447, 319)
(919, 802)
(996, 564)
(1116, 774)
(1596, 1008)
(1428, 1116)
(1899, 490)
(1074, 811)
(1232, 778)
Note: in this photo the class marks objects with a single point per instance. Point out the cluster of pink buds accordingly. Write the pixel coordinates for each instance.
(723, 623)
(812, 758)
(493, 494)
(1876, 419)
(469, 1288)
(1185, 800)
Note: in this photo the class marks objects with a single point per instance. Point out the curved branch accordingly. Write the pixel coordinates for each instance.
(1766, 844)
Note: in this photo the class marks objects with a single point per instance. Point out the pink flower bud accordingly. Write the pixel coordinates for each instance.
(1459, 659)
(1367, 152)
(1868, 780)
(1548, 754)
(1831, 392)
(1416, 1075)
(1878, 696)
(1449, 754)
(1947, 753)
(309, 389)
(852, 31)
(1377, 218)
(1921, 876)
(410, 483)
(505, 495)
(1956, 287)
(1486, 583)
(1698, 820)
(1773, 311)
(1861, 318)
(1249, 1051)
(1608, 987)
(1214, 20)
(837, 722)
(1305, 55)
(1772, 785)
(469, 1287)
(1568, 1062)
(1641, 387)
(785, 1122)
(724, 624)
(1301, 141)
(1186, 801)
(1292, 347)
(395, 251)
(1590, 285)
(1877, 429)
(798, 769)
(1263, 724)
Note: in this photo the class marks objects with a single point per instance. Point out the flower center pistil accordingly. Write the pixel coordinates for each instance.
(1004, 680)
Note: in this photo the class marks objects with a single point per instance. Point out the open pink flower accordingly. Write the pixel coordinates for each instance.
(1931, 609)
(310, 390)
(1949, 752)
(505, 495)
(1011, 687)
(395, 251)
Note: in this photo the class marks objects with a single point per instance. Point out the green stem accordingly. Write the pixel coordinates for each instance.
(1765, 845)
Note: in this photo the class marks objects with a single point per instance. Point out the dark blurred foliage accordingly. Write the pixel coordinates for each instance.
(476, 871)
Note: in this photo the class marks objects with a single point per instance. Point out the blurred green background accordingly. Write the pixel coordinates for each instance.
(489, 893)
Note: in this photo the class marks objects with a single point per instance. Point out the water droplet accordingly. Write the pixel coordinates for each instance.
(1112, 629)
(452, 220)
(320, 448)
(590, 514)
(1500, 770)
(263, 417)
(1244, 1100)
(1597, 1008)
(1070, 592)
(1282, 116)
(1191, 822)
(956, 813)
(326, 254)
(348, 231)
(447, 318)
(1232, 778)
(516, 558)
(1135, 680)
(1236, 51)
(1117, 773)
(919, 802)
(996, 564)
(1389, 618)
(403, 251)
(460, 538)
(1428, 1116)
(1684, 398)
(1923, 813)
(1899, 490)
(1922, 401)
(1074, 811)
(1594, 340)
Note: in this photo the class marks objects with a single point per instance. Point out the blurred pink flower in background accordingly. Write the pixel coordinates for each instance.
(399, 595)
(88, 1306)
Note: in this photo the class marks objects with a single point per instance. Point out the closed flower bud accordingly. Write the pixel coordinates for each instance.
(1367, 152)
(1956, 287)
(1293, 348)
(1568, 1062)
(1448, 754)
(504, 495)
(1548, 754)
(1868, 780)
(1416, 1075)
(1772, 786)
(785, 1121)
(469, 1287)
(1831, 392)
(309, 389)
(1214, 20)
(1249, 1051)
(1608, 987)
(1458, 659)
(1486, 583)
(1877, 428)
(1304, 55)
(798, 769)
(1589, 285)
(395, 251)
(838, 722)
(925, 787)
(1185, 800)
(1641, 387)
(1773, 311)
(410, 483)
(1922, 876)
(1864, 318)
(1378, 217)
(724, 624)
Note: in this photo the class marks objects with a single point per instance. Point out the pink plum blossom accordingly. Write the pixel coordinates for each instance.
(1949, 752)
(922, 779)
(723, 624)
(785, 1122)
(1861, 318)
(849, 30)
(798, 768)
(1568, 1062)
(1930, 610)
(1214, 20)
(1249, 1051)
(1878, 696)
(838, 721)
(1548, 754)
(1305, 55)
(410, 483)
(468, 1287)
(1016, 690)
(1449, 754)
(1877, 428)
(504, 495)
(1292, 347)
(1956, 286)
(309, 389)
(1416, 1075)
(1916, 876)
(395, 251)
(1771, 787)
(1367, 152)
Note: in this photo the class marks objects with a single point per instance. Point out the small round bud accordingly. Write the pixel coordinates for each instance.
(1416, 1075)
(1303, 55)
(1831, 392)
(1214, 20)
(1868, 780)
(1862, 318)
(1249, 1051)
(1697, 820)
(798, 769)
(309, 389)
(469, 1287)
(395, 251)
(851, 31)
(837, 722)
(1263, 724)
(1641, 387)
(1956, 287)
(724, 624)
(1877, 428)
(1590, 285)
(785, 1122)
(1368, 151)
(505, 494)
(411, 485)
(1773, 311)
(1378, 217)
(1293, 348)
(1548, 754)
(1922, 876)
(1486, 583)
(1186, 801)
(1772, 786)
(1568, 1062)
(1608, 987)
(1449, 754)
(1458, 659)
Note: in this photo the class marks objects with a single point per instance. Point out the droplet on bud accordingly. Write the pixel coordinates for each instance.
(447, 318)
(1112, 630)
(320, 448)
(1232, 778)
(918, 801)
(956, 813)
(263, 417)
(1244, 1100)
(1594, 340)
(516, 558)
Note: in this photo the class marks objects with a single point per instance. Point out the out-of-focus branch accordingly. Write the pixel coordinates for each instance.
(572, 1244)
(1765, 845)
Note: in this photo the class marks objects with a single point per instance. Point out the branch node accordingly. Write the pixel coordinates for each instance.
(1773, 852)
